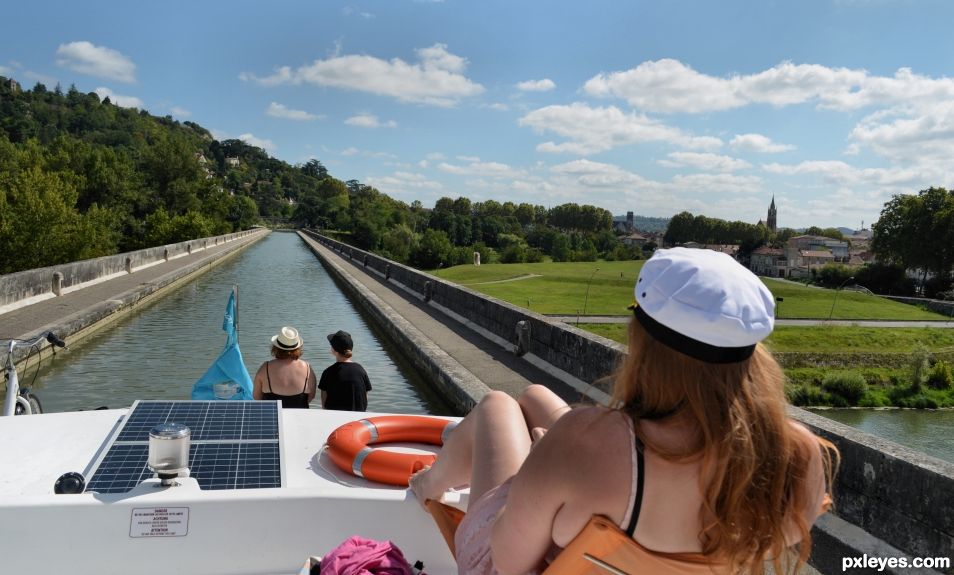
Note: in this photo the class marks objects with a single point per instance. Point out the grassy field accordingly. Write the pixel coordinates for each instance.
(830, 339)
(561, 288)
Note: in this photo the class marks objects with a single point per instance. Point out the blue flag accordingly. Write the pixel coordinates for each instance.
(227, 378)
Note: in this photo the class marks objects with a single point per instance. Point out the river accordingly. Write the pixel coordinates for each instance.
(930, 431)
(161, 348)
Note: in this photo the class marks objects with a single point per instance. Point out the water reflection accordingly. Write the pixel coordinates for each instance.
(161, 349)
(923, 430)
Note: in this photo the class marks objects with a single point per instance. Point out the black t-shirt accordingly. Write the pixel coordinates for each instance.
(347, 386)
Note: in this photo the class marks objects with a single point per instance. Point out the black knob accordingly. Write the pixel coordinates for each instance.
(70, 482)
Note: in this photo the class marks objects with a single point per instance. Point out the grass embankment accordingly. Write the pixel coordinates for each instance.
(817, 360)
(561, 288)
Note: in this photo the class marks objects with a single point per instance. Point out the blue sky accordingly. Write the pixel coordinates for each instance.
(655, 106)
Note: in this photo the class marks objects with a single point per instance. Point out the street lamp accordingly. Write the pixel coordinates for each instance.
(586, 299)
(838, 289)
(778, 301)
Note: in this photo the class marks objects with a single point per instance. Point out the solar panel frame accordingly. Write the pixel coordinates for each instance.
(234, 445)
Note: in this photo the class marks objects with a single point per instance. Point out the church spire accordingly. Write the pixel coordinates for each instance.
(772, 212)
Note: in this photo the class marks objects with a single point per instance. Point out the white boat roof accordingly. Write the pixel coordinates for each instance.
(224, 531)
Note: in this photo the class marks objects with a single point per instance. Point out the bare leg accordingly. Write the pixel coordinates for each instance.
(541, 407)
(486, 449)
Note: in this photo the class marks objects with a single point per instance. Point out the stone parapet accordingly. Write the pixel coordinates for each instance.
(23, 288)
(889, 498)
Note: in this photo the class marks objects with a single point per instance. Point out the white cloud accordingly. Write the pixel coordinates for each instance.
(468, 158)
(282, 75)
(592, 130)
(758, 143)
(436, 78)
(483, 169)
(435, 156)
(407, 186)
(909, 134)
(499, 106)
(6, 71)
(179, 111)
(704, 161)
(352, 151)
(544, 85)
(262, 143)
(100, 61)
(117, 99)
(352, 11)
(48, 81)
(369, 121)
(670, 86)
(841, 173)
(277, 110)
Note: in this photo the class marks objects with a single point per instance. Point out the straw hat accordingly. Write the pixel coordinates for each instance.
(287, 339)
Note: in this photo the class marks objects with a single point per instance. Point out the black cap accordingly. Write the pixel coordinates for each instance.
(341, 341)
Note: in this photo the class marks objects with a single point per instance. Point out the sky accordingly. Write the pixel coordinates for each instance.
(655, 107)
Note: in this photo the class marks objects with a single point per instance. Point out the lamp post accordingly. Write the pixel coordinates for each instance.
(778, 301)
(837, 290)
(587, 297)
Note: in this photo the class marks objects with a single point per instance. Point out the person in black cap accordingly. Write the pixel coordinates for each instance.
(344, 385)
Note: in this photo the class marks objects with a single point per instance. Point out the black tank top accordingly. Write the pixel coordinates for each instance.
(299, 400)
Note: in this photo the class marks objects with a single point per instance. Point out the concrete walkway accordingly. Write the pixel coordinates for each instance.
(496, 367)
(83, 309)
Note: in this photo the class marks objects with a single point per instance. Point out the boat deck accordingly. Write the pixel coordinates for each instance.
(217, 531)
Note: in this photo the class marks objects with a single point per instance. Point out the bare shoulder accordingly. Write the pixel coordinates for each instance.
(589, 429)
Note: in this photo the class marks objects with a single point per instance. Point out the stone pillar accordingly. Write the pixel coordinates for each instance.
(128, 265)
(387, 271)
(189, 248)
(428, 291)
(523, 338)
(57, 283)
(165, 254)
(365, 260)
(476, 258)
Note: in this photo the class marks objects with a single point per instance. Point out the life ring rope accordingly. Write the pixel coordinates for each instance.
(348, 446)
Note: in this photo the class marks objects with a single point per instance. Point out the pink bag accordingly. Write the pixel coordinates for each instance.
(359, 556)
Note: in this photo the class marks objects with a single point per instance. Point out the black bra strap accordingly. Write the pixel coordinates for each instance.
(638, 500)
(268, 377)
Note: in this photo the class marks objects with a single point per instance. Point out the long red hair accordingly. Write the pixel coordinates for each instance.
(753, 478)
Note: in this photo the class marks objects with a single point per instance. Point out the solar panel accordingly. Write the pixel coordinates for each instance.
(234, 445)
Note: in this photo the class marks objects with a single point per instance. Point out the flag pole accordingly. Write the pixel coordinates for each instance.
(236, 292)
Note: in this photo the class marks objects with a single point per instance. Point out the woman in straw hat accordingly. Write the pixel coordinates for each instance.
(695, 458)
(287, 378)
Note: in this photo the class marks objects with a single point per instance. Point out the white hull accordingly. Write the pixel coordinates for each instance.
(227, 531)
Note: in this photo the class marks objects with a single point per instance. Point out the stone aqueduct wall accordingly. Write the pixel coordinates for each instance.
(901, 499)
(42, 283)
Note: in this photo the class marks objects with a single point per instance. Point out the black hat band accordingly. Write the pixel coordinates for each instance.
(692, 347)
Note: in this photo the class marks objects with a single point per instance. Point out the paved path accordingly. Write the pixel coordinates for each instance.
(31, 319)
(572, 319)
(516, 279)
(498, 368)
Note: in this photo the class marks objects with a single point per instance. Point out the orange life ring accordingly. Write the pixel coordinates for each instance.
(348, 446)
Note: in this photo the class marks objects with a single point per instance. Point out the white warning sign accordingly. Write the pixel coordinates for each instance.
(159, 522)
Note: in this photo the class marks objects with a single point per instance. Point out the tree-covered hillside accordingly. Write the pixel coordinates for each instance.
(81, 177)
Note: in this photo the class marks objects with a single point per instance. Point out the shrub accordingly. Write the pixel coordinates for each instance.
(940, 376)
(920, 364)
(848, 385)
(534, 255)
(807, 395)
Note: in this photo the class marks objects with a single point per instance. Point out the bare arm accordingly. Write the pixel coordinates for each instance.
(258, 382)
(312, 384)
(556, 472)
(324, 397)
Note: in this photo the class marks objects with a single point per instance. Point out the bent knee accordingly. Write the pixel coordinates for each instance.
(536, 393)
(497, 400)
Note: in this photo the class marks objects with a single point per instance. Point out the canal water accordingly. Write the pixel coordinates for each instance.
(929, 431)
(159, 350)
